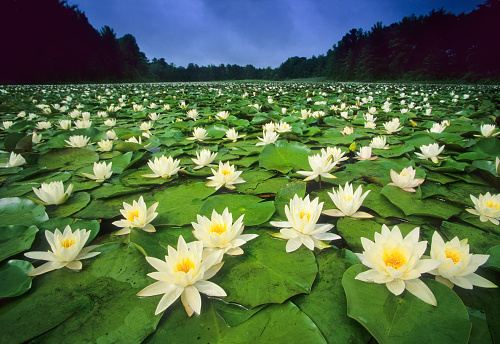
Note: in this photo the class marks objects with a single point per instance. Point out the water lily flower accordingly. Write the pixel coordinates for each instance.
(53, 192)
(204, 158)
(74, 114)
(269, 127)
(77, 141)
(163, 167)
(182, 104)
(437, 128)
(335, 154)
(379, 142)
(134, 139)
(199, 134)
(488, 130)
(321, 165)
(193, 114)
(283, 127)
(232, 134)
(406, 179)
(7, 124)
(43, 125)
(431, 152)
(137, 215)
(102, 171)
(137, 107)
(392, 126)
(102, 114)
(36, 138)
(347, 131)
(457, 264)
(222, 115)
(304, 114)
(396, 262)
(370, 125)
(348, 202)
(365, 153)
(65, 124)
(67, 251)
(82, 124)
(154, 116)
(497, 165)
(110, 122)
(145, 126)
(15, 160)
(369, 117)
(344, 114)
(105, 145)
(111, 135)
(219, 233)
(268, 137)
(301, 227)
(487, 207)
(225, 176)
(184, 273)
(372, 111)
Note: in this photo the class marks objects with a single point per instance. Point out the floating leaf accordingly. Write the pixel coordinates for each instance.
(16, 239)
(14, 277)
(283, 156)
(75, 203)
(21, 211)
(68, 158)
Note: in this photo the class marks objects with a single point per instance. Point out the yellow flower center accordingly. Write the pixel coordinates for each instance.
(394, 258)
(347, 198)
(404, 174)
(218, 228)
(67, 243)
(226, 172)
(492, 204)
(132, 215)
(455, 256)
(185, 265)
(303, 213)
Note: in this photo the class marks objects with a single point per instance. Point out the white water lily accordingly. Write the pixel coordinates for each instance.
(269, 127)
(457, 264)
(487, 207)
(301, 227)
(134, 139)
(321, 165)
(184, 273)
(77, 141)
(488, 130)
(437, 128)
(137, 107)
(53, 192)
(111, 135)
(226, 176)
(163, 167)
(65, 124)
(304, 114)
(137, 215)
(335, 154)
(233, 135)
(283, 127)
(222, 115)
(110, 122)
(370, 125)
(406, 179)
(392, 126)
(396, 262)
(365, 153)
(199, 134)
(497, 165)
(67, 251)
(83, 123)
(43, 125)
(268, 137)
(154, 116)
(36, 138)
(430, 151)
(318, 114)
(219, 233)
(347, 131)
(348, 202)
(105, 145)
(15, 160)
(204, 158)
(193, 114)
(379, 142)
(7, 124)
(102, 171)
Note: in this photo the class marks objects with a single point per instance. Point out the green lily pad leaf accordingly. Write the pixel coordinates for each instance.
(252, 179)
(95, 305)
(233, 313)
(394, 151)
(256, 212)
(448, 165)
(406, 319)
(68, 158)
(266, 273)
(379, 171)
(411, 204)
(16, 239)
(283, 156)
(25, 173)
(21, 211)
(109, 208)
(15, 279)
(137, 178)
(282, 323)
(107, 191)
(494, 260)
(121, 162)
(327, 291)
(286, 193)
(479, 333)
(75, 203)
(128, 147)
(269, 187)
(179, 205)
(378, 203)
(489, 146)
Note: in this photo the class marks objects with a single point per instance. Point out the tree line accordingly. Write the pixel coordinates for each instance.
(51, 41)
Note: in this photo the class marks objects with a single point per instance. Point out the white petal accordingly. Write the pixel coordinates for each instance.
(167, 299)
(46, 268)
(293, 244)
(396, 286)
(421, 290)
(193, 298)
(157, 288)
(209, 288)
(479, 281)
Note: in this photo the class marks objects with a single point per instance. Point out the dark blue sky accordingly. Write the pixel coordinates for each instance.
(258, 32)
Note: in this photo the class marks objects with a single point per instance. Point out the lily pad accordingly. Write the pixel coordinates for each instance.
(68, 158)
(283, 156)
(16, 239)
(406, 319)
(75, 203)
(21, 211)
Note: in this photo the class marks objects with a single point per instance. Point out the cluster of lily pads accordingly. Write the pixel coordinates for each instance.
(314, 174)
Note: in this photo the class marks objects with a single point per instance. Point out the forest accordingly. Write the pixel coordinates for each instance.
(50, 41)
